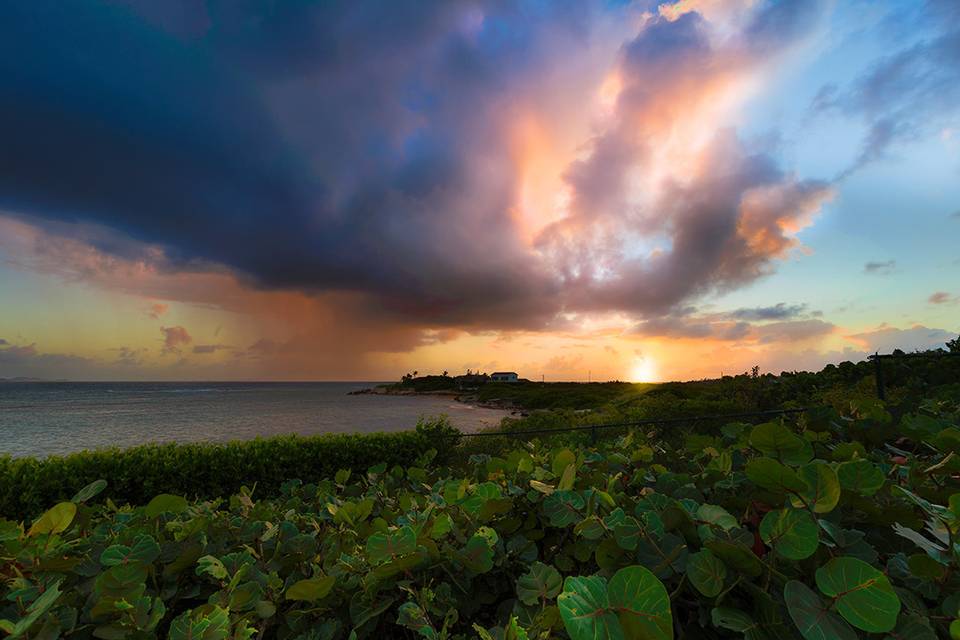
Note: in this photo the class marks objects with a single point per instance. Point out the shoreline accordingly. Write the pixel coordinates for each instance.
(464, 397)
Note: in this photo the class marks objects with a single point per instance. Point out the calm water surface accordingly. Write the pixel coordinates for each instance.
(40, 419)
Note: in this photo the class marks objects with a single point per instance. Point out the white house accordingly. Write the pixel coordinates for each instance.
(504, 376)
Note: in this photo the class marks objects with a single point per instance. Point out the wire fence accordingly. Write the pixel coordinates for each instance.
(595, 429)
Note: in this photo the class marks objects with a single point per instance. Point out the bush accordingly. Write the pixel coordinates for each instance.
(203, 470)
(830, 527)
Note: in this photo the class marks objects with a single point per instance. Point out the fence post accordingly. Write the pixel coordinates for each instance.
(878, 376)
(593, 435)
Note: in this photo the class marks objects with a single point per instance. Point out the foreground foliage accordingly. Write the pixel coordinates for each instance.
(207, 470)
(833, 527)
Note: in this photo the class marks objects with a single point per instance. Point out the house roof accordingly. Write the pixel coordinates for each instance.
(504, 373)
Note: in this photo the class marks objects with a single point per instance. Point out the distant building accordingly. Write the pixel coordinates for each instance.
(504, 376)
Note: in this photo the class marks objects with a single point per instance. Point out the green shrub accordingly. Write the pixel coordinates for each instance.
(828, 527)
(202, 470)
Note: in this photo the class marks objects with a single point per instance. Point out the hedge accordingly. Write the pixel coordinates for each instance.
(207, 470)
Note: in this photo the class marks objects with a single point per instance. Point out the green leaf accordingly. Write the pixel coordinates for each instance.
(412, 617)
(634, 605)
(212, 567)
(792, 533)
(442, 525)
(864, 595)
(477, 556)
(823, 488)
(774, 476)
(736, 557)
(814, 620)
(34, 611)
(89, 491)
(563, 508)
(310, 590)
(642, 604)
(716, 515)
(165, 503)
(775, 440)
(208, 622)
(562, 460)
(925, 567)
(56, 520)
(385, 546)
(145, 549)
(706, 572)
(568, 478)
(586, 612)
(734, 620)
(861, 476)
(541, 582)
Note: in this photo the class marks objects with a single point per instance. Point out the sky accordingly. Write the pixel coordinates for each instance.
(594, 189)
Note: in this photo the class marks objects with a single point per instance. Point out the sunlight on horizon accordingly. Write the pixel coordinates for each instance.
(644, 370)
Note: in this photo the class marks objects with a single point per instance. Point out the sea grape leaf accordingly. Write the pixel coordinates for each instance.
(590, 528)
(385, 546)
(164, 503)
(706, 572)
(716, 515)
(585, 610)
(664, 555)
(477, 556)
(89, 491)
(736, 556)
(541, 582)
(775, 440)
(311, 589)
(792, 533)
(542, 487)
(924, 567)
(34, 611)
(563, 508)
(823, 488)
(568, 479)
(814, 620)
(774, 476)
(642, 604)
(208, 622)
(635, 604)
(211, 566)
(864, 596)
(442, 525)
(627, 533)
(411, 616)
(55, 520)
(562, 460)
(735, 620)
(861, 476)
(364, 608)
(404, 563)
(145, 549)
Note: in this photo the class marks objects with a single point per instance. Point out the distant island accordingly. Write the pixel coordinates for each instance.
(28, 379)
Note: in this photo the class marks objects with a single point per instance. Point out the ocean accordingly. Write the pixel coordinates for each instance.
(55, 418)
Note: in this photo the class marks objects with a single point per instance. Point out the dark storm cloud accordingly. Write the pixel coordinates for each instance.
(317, 146)
(360, 146)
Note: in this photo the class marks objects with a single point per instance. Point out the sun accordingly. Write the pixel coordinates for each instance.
(644, 370)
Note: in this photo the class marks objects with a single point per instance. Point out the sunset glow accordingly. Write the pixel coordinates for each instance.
(603, 190)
